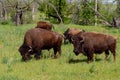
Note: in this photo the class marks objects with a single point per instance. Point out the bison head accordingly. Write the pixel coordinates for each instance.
(25, 52)
(71, 32)
(77, 43)
(66, 36)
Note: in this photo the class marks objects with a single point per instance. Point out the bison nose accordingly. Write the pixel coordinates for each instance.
(65, 42)
(76, 52)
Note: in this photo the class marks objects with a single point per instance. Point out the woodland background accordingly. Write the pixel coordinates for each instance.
(82, 12)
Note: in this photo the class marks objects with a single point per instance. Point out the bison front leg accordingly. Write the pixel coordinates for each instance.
(89, 57)
(57, 49)
(37, 55)
(59, 52)
(114, 53)
(89, 53)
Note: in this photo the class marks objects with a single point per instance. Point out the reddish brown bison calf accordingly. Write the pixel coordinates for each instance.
(37, 39)
(91, 42)
(69, 33)
(44, 25)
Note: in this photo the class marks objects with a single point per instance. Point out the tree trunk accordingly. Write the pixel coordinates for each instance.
(18, 17)
(3, 11)
(75, 15)
(59, 11)
(33, 11)
(95, 12)
(114, 22)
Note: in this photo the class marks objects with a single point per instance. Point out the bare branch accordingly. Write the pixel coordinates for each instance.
(51, 5)
(11, 5)
(98, 13)
(56, 11)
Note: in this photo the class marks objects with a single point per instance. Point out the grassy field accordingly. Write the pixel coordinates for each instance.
(68, 67)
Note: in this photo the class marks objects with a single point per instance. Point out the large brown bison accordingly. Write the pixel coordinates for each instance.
(91, 42)
(69, 33)
(37, 39)
(44, 25)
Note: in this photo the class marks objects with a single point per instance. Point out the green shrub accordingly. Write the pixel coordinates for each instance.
(9, 77)
(4, 22)
(4, 60)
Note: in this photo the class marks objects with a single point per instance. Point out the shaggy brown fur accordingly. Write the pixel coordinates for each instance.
(91, 42)
(37, 39)
(44, 25)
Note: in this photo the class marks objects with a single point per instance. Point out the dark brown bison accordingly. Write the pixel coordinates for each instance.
(69, 33)
(91, 42)
(44, 25)
(37, 39)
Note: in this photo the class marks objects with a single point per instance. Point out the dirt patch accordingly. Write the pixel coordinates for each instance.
(1, 46)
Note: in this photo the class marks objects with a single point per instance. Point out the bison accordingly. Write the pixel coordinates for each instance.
(44, 25)
(36, 40)
(69, 33)
(92, 42)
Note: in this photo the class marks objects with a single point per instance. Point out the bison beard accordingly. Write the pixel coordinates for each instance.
(36, 40)
(91, 42)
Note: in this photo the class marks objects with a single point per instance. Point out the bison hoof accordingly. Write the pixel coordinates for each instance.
(37, 57)
(53, 56)
(26, 59)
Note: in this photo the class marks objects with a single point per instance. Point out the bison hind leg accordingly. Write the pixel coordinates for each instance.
(55, 52)
(57, 49)
(114, 53)
(112, 49)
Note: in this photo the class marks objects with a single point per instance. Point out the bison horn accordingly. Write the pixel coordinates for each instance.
(72, 39)
(82, 41)
(30, 49)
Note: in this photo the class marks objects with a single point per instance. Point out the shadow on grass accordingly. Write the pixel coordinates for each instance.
(77, 60)
(81, 60)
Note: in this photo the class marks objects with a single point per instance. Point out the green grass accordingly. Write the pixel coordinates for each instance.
(67, 67)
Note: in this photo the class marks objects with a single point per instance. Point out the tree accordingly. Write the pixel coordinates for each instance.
(82, 12)
(16, 9)
(87, 14)
(75, 10)
(118, 7)
(54, 9)
(3, 10)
